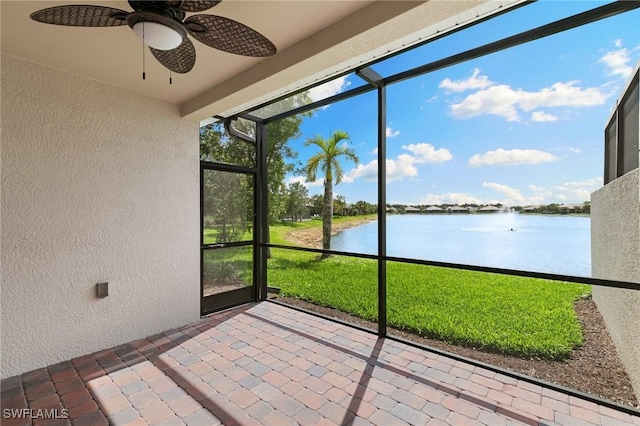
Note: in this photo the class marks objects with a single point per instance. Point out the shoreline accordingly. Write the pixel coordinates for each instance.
(312, 237)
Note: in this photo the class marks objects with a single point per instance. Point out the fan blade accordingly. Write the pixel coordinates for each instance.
(180, 60)
(81, 16)
(193, 5)
(229, 35)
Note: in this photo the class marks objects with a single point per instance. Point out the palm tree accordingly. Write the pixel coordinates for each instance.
(328, 161)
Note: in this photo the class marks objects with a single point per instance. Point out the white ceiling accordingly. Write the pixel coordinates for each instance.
(301, 30)
(114, 55)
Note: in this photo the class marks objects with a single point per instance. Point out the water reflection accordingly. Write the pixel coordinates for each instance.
(540, 243)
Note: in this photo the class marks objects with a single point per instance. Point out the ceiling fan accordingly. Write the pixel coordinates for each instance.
(161, 25)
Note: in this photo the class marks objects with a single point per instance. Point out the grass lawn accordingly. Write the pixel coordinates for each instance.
(522, 316)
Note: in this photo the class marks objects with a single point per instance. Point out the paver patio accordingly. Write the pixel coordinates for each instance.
(266, 364)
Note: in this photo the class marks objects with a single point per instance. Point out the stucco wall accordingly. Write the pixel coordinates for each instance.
(615, 250)
(98, 184)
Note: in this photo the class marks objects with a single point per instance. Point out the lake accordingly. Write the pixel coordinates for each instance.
(542, 243)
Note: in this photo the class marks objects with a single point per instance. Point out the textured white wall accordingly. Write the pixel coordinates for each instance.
(98, 184)
(615, 254)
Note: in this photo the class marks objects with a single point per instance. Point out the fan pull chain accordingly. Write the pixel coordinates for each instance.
(143, 64)
(170, 80)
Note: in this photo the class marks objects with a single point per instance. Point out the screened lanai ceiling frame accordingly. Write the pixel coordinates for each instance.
(373, 81)
(574, 21)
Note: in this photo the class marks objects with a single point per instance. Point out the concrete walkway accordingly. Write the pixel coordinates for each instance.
(266, 364)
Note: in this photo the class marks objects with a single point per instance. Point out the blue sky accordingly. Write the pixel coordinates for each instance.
(522, 126)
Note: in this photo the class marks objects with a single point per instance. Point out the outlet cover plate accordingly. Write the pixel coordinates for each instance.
(102, 290)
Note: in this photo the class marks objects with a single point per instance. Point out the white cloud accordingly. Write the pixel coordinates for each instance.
(541, 116)
(368, 172)
(303, 180)
(392, 133)
(329, 88)
(476, 81)
(617, 62)
(511, 157)
(577, 192)
(426, 153)
(617, 42)
(566, 193)
(561, 95)
(450, 198)
(497, 100)
(504, 101)
(511, 196)
(571, 149)
(374, 151)
(400, 168)
(403, 166)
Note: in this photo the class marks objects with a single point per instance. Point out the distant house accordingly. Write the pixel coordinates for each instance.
(392, 210)
(457, 209)
(489, 209)
(410, 209)
(530, 209)
(569, 208)
(433, 209)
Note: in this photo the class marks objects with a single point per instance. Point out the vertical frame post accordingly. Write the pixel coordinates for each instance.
(201, 239)
(262, 211)
(382, 211)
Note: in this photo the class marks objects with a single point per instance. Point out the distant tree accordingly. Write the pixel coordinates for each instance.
(327, 161)
(339, 205)
(360, 207)
(552, 208)
(316, 202)
(233, 218)
(218, 146)
(297, 199)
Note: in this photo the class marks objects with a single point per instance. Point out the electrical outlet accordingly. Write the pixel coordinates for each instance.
(102, 290)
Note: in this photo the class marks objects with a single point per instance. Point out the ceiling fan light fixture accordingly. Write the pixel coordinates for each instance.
(158, 36)
(157, 31)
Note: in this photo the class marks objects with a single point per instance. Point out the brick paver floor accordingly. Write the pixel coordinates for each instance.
(266, 364)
